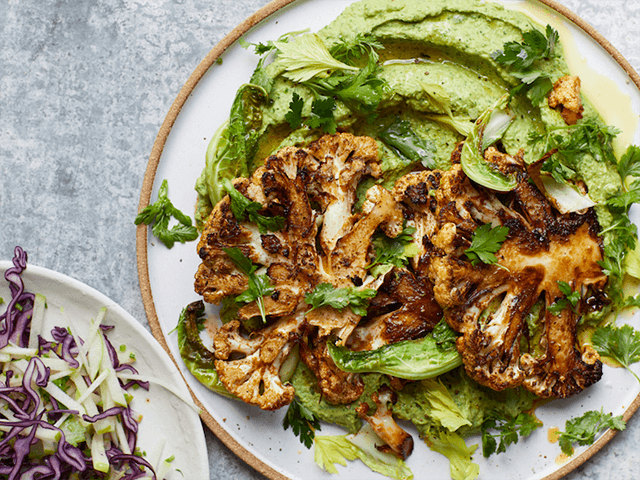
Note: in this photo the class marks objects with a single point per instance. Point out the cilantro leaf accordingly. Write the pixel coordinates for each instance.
(160, 214)
(259, 285)
(622, 344)
(302, 421)
(629, 163)
(294, 115)
(583, 430)
(508, 430)
(520, 58)
(485, 242)
(361, 90)
(322, 114)
(243, 208)
(339, 298)
(350, 50)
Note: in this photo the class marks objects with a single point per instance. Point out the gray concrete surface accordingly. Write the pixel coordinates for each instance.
(84, 88)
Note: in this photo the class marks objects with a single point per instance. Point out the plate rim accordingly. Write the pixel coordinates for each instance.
(147, 187)
(50, 275)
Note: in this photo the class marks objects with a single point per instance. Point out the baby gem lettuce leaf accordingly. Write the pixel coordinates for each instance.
(305, 57)
(583, 430)
(160, 213)
(332, 449)
(419, 359)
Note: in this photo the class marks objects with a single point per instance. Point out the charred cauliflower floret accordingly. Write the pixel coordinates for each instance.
(397, 440)
(403, 309)
(565, 96)
(510, 336)
(326, 243)
(249, 367)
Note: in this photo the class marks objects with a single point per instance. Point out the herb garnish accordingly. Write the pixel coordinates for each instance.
(485, 242)
(570, 299)
(259, 285)
(243, 208)
(508, 430)
(583, 430)
(160, 213)
(338, 298)
(521, 57)
(294, 115)
(392, 252)
(621, 344)
(322, 114)
(302, 421)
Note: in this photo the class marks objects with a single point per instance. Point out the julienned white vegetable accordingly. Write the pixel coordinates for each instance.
(63, 410)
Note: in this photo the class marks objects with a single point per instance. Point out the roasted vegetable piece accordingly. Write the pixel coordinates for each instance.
(397, 440)
(328, 244)
(492, 306)
(565, 96)
(197, 358)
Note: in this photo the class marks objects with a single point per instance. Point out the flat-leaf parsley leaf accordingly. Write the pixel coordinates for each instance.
(485, 242)
(338, 298)
(160, 213)
(302, 421)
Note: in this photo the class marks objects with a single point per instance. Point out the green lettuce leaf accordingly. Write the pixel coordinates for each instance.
(331, 450)
(452, 446)
(410, 359)
(196, 357)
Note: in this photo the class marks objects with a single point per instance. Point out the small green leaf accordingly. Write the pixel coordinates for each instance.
(339, 298)
(485, 242)
(302, 421)
(160, 213)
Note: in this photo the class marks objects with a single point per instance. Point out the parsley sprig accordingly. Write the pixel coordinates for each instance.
(392, 252)
(486, 241)
(521, 58)
(259, 285)
(570, 299)
(160, 214)
(339, 298)
(508, 430)
(621, 344)
(360, 89)
(243, 208)
(302, 421)
(583, 430)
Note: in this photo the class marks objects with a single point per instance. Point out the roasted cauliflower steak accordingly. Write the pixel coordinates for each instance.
(509, 335)
(326, 243)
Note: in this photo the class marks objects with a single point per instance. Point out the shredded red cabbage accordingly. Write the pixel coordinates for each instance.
(23, 402)
(15, 321)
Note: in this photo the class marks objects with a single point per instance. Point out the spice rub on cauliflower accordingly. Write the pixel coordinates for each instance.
(511, 334)
(322, 242)
(512, 331)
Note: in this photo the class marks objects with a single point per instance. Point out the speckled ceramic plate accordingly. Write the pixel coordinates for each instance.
(166, 276)
(166, 418)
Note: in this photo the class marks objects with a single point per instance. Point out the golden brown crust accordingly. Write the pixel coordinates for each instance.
(565, 97)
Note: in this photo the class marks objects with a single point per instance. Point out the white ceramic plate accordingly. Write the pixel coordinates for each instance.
(164, 415)
(167, 275)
